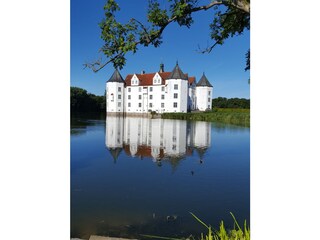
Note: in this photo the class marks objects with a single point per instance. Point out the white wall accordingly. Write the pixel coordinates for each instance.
(145, 101)
(112, 97)
(202, 134)
(114, 131)
(182, 100)
(133, 92)
(174, 137)
(192, 97)
(202, 94)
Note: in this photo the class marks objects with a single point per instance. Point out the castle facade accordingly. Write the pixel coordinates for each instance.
(159, 92)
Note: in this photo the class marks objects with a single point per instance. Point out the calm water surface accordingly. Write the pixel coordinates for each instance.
(132, 176)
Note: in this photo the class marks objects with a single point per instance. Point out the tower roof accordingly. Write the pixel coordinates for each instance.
(204, 82)
(177, 73)
(115, 152)
(116, 77)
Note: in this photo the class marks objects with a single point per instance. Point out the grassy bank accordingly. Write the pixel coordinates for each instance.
(234, 116)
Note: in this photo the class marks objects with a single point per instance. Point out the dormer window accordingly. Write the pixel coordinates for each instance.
(134, 80)
(157, 79)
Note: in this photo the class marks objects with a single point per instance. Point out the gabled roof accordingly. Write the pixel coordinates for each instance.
(177, 73)
(116, 77)
(204, 82)
(146, 79)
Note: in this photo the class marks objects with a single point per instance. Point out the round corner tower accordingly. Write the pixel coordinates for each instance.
(115, 87)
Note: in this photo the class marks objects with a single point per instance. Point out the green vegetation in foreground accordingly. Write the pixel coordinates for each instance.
(237, 233)
(234, 116)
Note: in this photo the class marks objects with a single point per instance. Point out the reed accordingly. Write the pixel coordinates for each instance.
(237, 233)
(239, 117)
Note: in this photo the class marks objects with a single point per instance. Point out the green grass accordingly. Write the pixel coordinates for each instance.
(237, 233)
(234, 116)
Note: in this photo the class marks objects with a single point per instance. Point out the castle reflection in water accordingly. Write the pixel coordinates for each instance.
(157, 138)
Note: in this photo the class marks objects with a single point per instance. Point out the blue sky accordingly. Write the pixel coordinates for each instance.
(224, 66)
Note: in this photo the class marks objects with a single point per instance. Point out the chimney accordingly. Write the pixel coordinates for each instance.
(161, 67)
(143, 72)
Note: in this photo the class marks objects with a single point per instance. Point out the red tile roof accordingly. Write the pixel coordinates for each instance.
(146, 79)
(145, 151)
(191, 80)
(142, 151)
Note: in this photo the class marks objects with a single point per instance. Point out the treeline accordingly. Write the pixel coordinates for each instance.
(222, 102)
(82, 101)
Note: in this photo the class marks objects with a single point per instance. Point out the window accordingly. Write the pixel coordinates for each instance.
(119, 104)
(129, 89)
(139, 89)
(209, 92)
(208, 99)
(162, 89)
(119, 96)
(175, 95)
(176, 87)
(150, 96)
(150, 104)
(150, 89)
(175, 104)
(129, 104)
(140, 97)
(129, 96)
(119, 89)
(162, 96)
(162, 105)
(140, 105)
(208, 106)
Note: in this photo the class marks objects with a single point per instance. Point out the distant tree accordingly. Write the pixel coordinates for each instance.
(230, 18)
(79, 97)
(82, 101)
(222, 102)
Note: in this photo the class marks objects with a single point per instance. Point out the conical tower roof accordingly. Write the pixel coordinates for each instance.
(204, 82)
(116, 77)
(201, 151)
(177, 73)
(115, 152)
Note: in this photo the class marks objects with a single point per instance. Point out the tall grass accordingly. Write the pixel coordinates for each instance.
(237, 233)
(234, 116)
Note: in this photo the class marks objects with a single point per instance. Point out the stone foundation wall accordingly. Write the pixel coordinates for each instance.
(126, 114)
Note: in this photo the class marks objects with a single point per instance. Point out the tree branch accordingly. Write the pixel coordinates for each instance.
(150, 37)
(206, 7)
(99, 64)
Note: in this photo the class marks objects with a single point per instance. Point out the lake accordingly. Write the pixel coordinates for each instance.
(132, 176)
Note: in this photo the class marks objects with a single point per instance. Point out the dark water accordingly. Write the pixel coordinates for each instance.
(132, 176)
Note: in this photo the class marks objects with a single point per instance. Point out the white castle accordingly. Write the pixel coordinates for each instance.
(159, 92)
